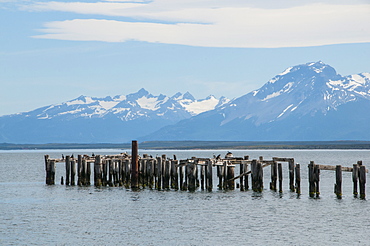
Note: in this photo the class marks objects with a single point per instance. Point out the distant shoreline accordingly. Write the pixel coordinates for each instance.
(189, 145)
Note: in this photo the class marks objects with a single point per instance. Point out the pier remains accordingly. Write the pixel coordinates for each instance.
(165, 173)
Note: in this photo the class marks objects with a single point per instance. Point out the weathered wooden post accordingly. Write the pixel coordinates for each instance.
(191, 171)
(88, 173)
(246, 184)
(202, 176)
(362, 178)
(230, 177)
(73, 171)
(79, 170)
(254, 174)
(104, 172)
(311, 179)
(291, 174)
(260, 176)
(317, 179)
(110, 179)
(220, 174)
(181, 170)
(84, 179)
(241, 180)
(174, 175)
(257, 175)
(47, 169)
(355, 179)
(52, 172)
(273, 176)
(127, 172)
(209, 178)
(142, 172)
(134, 165)
(298, 178)
(338, 181)
(224, 176)
(159, 173)
(150, 171)
(166, 175)
(280, 174)
(98, 169)
(68, 168)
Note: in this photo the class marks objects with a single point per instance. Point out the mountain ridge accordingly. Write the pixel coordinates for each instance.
(300, 94)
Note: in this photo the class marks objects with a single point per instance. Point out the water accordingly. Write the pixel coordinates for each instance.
(32, 213)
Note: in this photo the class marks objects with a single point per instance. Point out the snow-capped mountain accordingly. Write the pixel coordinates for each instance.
(133, 106)
(110, 119)
(305, 102)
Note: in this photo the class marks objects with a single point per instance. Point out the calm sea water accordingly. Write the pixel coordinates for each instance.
(32, 213)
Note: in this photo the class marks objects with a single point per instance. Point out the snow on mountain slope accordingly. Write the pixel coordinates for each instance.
(305, 102)
(303, 89)
(129, 107)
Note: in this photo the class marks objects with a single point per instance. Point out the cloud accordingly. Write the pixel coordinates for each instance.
(211, 23)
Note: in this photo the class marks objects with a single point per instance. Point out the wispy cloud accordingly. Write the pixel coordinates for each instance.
(212, 23)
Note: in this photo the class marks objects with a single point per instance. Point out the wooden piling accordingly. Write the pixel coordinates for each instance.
(209, 174)
(224, 174)
(174, 175)
(311, 179)
(52, 172)
(88, 173)
(73, 171)
(362, 179)
(220, 174)
(150, 172)
(134, 165)
(298, 178)
(338, 181)
(291, 174)
(68, 168)
(317, 180)
(167, 174)
(104, 172)
(159, 173)
(274, 174)
(355, 179)
(182, 176)
(191, 173)
(230, 176)
(246, 183)
(46, 159)
(280, 176)
(241, 170)
(79, 170)
(110, 173)
(98, 169)
(257, 176)
(202, 176)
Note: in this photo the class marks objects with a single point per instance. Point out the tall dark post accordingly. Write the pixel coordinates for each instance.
(298, 178)
(362, 179)
(338, 181)
(291, 174)
(135, 165)
(355, 179)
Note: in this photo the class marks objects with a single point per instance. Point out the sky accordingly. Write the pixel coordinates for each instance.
(55, 51)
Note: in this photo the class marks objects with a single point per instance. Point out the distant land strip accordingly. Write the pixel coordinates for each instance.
(188, 145)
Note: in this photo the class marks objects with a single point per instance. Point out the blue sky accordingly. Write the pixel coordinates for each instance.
(53, 51)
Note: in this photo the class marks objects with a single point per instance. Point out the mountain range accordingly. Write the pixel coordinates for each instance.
(103, 120)
(305, 102)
